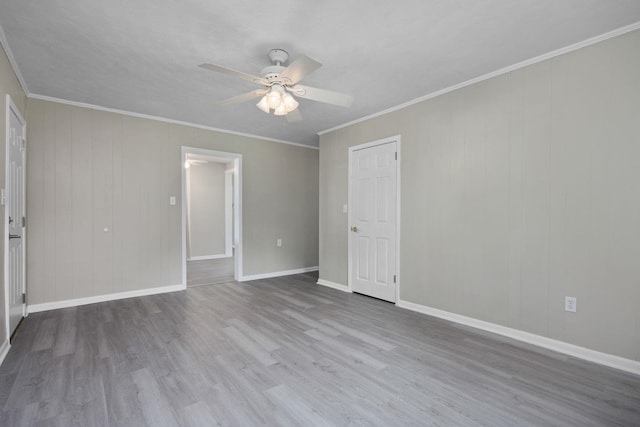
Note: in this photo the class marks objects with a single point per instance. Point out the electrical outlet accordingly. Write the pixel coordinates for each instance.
(570, 304)
(279, 242)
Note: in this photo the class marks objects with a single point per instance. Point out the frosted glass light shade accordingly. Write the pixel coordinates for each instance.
(274, 97)
(289, 102)
(281, 110)
(263, 105)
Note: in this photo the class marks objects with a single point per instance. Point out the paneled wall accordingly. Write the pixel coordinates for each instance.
(99, 218)
(8, 85)
(516, 192)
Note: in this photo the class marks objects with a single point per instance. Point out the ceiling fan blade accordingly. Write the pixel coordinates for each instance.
(323, 95)
(294, 116)
(299, 68)
(234, 73)
(243, 98)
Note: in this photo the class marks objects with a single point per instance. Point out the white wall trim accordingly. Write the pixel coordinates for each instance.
(4, 350)
(333, 285)
(277, 274)
(204, 257)
(525, 63)
(606, 359)
(12, 61)
(164, 119)
(35, 308)
(228, 212)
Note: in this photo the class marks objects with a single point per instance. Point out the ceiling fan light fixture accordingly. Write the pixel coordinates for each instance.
(263, 104)
(281, 110)
(274, 99)
(289, 102)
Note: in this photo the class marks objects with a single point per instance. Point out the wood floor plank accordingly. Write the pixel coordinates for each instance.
(299, 411)
(249, 346)
(156, 407)
(255, 334)
(370, 339)
(197, 414)
(285, 351)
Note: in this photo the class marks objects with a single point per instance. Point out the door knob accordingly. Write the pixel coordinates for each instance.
(354, 228)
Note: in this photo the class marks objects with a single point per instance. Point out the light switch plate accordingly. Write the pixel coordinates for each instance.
(172, 200)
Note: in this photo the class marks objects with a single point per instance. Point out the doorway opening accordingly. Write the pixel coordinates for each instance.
(211, 216)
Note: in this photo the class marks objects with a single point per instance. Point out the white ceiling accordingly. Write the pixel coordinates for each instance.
(142, 56)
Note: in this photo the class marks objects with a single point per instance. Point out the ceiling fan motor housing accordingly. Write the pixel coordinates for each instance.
(277, 57)
(272, 72)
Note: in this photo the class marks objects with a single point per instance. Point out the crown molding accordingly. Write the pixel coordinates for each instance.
(517, 66)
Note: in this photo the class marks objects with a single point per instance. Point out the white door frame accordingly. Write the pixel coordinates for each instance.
(228, 212)
(387, 140)
(12, 108)
(237, 212)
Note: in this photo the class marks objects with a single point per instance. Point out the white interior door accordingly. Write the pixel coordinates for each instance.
(373, 222)
(14, 216)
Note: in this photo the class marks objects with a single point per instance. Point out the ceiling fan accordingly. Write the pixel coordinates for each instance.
(281, 86)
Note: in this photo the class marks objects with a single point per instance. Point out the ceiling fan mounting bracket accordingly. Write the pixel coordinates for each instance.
(278, 56)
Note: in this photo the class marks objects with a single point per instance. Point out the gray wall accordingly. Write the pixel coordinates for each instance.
(206, 209)
(89, 170)
(8, 85)
(516, 192)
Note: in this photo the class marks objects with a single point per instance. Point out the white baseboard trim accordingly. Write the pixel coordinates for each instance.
(606, 359)
(4, 350)
(34, 308)
(204, 257)
(277, 274)
(333, 285)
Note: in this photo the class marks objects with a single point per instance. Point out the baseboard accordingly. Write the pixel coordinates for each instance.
(333, 285)
(277, 274)
(606, 359)
(205, 257)
(34, 308)
(4, 350)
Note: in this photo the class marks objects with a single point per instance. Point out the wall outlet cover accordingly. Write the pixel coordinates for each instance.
(570, 304)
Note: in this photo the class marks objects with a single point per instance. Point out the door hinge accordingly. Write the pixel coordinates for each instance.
(396, 155)
(394, 278)
(24, 298)
(23, 144)
(24, 221)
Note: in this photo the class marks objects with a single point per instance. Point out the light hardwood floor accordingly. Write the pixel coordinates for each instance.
(285, 351)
